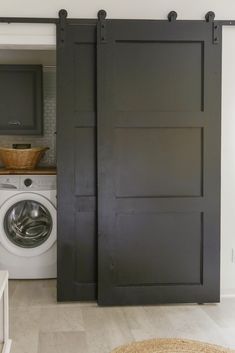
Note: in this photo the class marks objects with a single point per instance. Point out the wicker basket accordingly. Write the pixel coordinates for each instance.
(21, 158)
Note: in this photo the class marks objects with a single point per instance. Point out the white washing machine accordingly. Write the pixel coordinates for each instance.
(28, 226)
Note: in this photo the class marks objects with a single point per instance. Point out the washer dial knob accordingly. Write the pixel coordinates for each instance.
(28, 182)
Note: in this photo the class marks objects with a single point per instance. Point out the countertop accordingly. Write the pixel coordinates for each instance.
(38, 171)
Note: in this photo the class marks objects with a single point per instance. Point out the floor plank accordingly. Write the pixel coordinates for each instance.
(61, 342)
(38, 324)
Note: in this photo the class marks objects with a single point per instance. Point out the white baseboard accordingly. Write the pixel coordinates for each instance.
(7, 346)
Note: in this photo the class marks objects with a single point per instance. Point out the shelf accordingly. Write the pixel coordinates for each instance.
(38, 171)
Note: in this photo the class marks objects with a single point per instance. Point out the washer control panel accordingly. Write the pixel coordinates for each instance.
(27, 182)
(38, 182)
(9, 182)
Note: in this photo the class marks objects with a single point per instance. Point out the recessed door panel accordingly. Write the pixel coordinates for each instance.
(158, 162)
(155, 78)
(85, 161)
(86, 240)
(84, 69)
(174, 256)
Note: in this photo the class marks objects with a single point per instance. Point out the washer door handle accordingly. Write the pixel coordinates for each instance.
(7, 186)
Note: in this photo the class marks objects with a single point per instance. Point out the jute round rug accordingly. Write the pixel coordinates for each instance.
(171, 345)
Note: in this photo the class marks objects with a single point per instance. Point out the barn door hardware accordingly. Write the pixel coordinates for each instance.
(215, 33)
(62, 25)
(172, 16)
(101, 18)
(210, 17)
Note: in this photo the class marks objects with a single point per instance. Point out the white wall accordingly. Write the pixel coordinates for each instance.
(187, 9)
(153, 9)
(228, 163)
(14, 34)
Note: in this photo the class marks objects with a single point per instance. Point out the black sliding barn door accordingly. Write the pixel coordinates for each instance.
(76, 158)
(158, 162)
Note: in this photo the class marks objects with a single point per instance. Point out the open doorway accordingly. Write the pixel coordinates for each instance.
(28, 55)
(46, 59)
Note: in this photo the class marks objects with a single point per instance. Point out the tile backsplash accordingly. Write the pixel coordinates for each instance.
(48, 139)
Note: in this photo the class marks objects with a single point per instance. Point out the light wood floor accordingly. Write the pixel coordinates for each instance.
(39, 325)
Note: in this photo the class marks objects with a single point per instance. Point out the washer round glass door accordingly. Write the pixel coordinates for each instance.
(28, 224)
